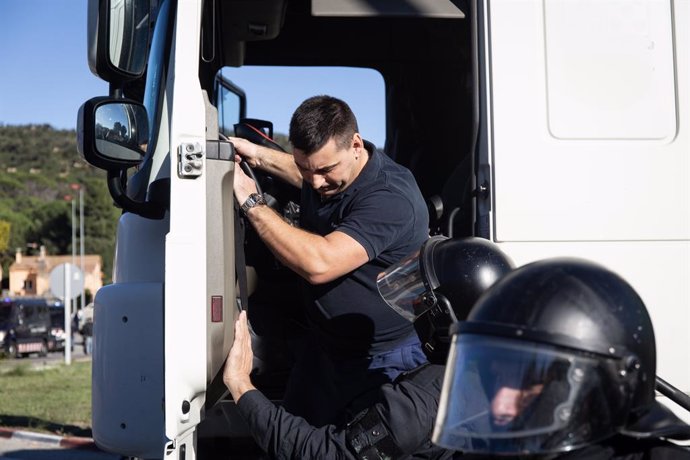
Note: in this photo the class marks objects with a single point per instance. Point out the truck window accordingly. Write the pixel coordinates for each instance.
(231, 106)
(274, 92)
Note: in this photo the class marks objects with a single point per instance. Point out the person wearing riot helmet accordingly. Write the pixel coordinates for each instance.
(396, 420)
(439, 284)
(556, 360)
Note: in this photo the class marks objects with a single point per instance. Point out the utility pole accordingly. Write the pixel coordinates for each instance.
(74, 246)
(81, 245)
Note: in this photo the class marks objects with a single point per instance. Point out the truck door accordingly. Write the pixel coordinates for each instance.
(584, 102)
(164, 327)
(199, 249)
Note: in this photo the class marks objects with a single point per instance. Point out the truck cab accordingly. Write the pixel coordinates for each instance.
(550, 128)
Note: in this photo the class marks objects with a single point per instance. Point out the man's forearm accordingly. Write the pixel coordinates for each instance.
(318, 259)
(298, 249)
(279, 164)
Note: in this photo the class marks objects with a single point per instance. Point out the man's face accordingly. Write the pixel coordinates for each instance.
(512, 396)
(509, 402)
(331, 169)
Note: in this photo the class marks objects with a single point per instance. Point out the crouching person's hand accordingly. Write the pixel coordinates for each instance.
(239, 363)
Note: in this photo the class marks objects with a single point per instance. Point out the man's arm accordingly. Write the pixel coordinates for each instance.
(279, 164)
(318, 259)
(403, 416)
(279, 433)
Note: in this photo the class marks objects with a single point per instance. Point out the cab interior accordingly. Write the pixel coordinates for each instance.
(427, 63)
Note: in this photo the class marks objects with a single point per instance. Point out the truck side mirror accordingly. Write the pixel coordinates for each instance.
(119, 32)
(113, 134)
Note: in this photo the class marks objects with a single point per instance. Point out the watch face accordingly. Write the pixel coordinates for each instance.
(253, 200)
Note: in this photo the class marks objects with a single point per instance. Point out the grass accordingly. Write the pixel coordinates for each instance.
(55, 400)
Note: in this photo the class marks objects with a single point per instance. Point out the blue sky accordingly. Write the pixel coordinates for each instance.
(45, 75)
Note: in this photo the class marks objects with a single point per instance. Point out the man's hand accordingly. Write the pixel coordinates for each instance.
(247, 150)
(242, 185)
(239, 363)
(273, 162)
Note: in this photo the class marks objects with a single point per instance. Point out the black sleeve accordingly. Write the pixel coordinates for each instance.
(285, 436)
(399, 425)
(410, 411)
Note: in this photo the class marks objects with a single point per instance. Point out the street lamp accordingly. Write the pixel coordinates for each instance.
(80, 188)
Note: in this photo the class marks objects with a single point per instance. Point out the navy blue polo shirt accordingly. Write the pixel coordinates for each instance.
(383, 209)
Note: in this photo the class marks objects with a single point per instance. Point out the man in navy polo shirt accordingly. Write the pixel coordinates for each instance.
(360, 212)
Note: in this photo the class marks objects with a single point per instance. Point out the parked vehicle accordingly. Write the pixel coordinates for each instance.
(550, 128)
(25, 326)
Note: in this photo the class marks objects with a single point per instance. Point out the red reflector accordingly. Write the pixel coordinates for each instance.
(216, 308)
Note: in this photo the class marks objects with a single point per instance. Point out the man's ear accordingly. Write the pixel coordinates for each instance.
(357, 141)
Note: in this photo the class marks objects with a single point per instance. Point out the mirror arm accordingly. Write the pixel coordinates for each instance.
(115, 91)
(147, 209)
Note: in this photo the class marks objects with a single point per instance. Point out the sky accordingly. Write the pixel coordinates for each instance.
(45, 77)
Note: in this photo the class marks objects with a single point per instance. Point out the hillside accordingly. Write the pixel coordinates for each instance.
(38, 165)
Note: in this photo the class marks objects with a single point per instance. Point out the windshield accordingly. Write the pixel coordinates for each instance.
(5, 311)
(57, 317)
(155, 70)
(153, 100)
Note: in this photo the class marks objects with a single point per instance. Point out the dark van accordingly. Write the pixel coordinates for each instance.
(25, 326)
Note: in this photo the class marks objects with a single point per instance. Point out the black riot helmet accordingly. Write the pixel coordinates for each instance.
(557, 355)
(438, 285)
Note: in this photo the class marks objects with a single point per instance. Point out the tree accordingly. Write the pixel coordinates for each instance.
(4, 234)
(52, 226)
(38, 164)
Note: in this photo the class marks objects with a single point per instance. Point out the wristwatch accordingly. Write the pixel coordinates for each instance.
(254, 199)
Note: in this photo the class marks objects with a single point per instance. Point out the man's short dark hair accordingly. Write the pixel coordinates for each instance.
(320, 118)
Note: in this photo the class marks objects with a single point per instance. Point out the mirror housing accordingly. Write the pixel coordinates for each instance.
(119, 32)
(112, 134)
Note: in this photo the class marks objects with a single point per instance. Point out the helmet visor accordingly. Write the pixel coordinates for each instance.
(512, 397)
(402, 287)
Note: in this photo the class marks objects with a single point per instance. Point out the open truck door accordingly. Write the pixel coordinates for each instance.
(164, 327)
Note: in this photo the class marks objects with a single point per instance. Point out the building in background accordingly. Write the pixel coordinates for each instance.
(30, 275)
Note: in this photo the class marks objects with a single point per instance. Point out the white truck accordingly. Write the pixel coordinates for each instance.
(552, 127)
